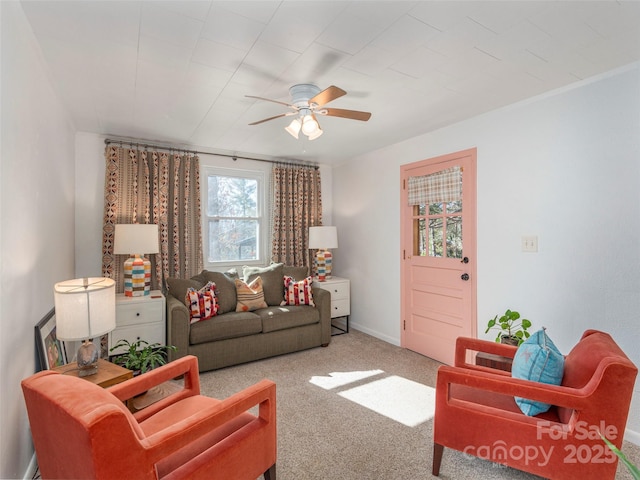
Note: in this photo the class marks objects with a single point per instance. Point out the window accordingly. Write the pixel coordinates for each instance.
(437, 230)
(233, 217)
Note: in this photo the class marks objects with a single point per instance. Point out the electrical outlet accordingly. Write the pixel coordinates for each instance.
(529, 243)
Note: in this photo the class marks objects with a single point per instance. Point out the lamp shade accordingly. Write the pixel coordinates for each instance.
(323, 237)
(136, 238)
(85, 308)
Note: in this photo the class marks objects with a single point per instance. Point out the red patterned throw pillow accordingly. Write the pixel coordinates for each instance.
(297, 293)
(203, 303)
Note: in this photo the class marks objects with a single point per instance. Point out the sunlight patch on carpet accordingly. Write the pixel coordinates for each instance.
(339, 379)
(397, 398)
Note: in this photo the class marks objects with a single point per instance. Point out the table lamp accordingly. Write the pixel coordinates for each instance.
(323, 238)
(85, 308)
(136, 239)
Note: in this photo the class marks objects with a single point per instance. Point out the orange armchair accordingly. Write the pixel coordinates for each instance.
(81, 430)
(476, 412)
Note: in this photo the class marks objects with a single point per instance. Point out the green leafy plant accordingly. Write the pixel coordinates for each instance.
(511, 326)
(140, 355)
(635, 471)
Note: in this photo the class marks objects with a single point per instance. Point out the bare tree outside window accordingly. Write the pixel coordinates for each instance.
(233, 218)
(439, 232)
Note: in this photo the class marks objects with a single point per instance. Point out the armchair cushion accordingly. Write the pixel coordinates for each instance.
(271, 277)
(225, 284)
(298, 273)
(537, 359)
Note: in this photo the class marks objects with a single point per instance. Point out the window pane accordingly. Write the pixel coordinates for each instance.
(435, 237)
(232, 197)
(419, 237)
(233, 240)
(435, 208)
(454, 237)
(422, 209)
(454, 207)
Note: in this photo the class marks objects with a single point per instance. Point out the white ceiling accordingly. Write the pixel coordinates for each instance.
(178, 71)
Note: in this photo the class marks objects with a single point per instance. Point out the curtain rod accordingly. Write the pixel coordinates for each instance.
(144, 144)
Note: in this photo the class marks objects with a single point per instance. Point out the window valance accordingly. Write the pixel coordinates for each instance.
(439, 187)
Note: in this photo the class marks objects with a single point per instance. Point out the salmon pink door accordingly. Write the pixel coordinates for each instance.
(438, 240)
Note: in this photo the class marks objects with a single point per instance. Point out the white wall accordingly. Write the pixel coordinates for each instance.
(563, 167)
(36, 221)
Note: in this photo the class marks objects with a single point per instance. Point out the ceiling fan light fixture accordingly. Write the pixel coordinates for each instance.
(316, 134)
(294, 128)
(309, 125)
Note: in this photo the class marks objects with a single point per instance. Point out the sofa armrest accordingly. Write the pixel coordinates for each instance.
(322, 299)
(177, 327)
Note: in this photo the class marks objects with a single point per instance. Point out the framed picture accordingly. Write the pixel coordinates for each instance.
(51, 350)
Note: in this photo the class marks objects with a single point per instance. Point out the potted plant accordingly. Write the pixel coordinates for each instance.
(512, 330)
(140, 355)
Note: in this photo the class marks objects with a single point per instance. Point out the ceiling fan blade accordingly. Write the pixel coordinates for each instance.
(339, 112)
(273, 118)
(327, 95)
(269, 100)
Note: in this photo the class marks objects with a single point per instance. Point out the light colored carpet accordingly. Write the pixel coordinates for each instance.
(359, 409)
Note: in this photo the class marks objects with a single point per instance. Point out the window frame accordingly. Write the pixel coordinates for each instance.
(262, 208)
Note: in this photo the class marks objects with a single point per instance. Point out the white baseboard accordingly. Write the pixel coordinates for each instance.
(374, 333)
(31, 469)
(631, 436)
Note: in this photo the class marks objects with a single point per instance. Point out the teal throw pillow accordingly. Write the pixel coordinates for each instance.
(539, 360)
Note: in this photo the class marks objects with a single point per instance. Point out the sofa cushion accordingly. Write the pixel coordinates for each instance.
(202, 303)
(539, 360)
(178, 287)
(229, 325)
(298, 273)
(281, 318)
(271, 281)
(250, 295)
(297, 293)
(225, 284)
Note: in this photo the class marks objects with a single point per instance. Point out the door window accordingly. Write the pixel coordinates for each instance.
(438, 230)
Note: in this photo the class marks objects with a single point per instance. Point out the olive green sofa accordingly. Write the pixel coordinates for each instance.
(231, 337)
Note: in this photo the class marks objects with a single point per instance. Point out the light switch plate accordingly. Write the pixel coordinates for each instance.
(530, 243)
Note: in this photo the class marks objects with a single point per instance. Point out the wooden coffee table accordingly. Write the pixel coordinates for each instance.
(108, 373)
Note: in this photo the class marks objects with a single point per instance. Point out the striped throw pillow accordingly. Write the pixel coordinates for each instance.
(297, 293)
(250, 296)
(203, 303)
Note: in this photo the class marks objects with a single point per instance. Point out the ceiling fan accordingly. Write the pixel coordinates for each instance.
(307, 101)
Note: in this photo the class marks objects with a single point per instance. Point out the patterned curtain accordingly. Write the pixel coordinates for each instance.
(442, 186)
(154, 187)
(297, 205)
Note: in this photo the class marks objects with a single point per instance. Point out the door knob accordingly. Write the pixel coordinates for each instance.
(464, 276)
(465, 260)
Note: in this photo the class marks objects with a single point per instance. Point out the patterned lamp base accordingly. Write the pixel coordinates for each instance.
(323, 264)
(137, 276)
